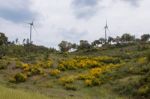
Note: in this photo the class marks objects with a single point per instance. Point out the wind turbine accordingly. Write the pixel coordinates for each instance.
(31, 30)
(106, 28)
(31, 27)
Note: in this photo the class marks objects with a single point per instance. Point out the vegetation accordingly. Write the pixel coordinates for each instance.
(118, 68)
(8, 93)
(20, 77)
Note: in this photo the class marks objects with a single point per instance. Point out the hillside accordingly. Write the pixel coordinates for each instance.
(110, 73)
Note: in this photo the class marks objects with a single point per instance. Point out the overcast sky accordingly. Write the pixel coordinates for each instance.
(73, 20)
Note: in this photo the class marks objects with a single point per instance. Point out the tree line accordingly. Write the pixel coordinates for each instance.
(66, 46)
(126, 38)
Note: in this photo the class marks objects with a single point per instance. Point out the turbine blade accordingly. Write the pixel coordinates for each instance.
(108, 30)
(35, 29)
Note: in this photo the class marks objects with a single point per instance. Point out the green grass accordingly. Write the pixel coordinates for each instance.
(8, 93)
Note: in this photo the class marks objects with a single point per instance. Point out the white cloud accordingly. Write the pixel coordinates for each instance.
(57, 21)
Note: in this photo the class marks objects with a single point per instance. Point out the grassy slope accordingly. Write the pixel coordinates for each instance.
(102, 92)
(87, 93)
(8, 93)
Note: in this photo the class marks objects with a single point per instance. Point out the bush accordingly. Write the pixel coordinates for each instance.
(142, 47)
(19, 64)
(25, 67)
(82, 62)
(93, 82)
(36, 70)
(3, 64)
(113, 61)
(66, 80)
(54, 72)
(148, 57)
(45, 64)
(88, 82)
(142, 60)
(96, 82)
(61, 67)
(20, 77)
(48, 64)
(70, 87)
(144, 90)
(3, 51)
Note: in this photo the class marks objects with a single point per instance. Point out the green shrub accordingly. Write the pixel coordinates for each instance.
(96, 82)
(36, 71)
(144, 90)
(20, 77)
(148, 57)
(70, 87)
(3, 65)
(93, 82)
(18, 64)
(114, 61)
(66, 80)
(142, 47)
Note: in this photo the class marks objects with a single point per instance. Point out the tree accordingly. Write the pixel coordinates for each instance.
(74, 46)
(145, 37)
(23, 42)
(126, 38)
(65, 46)
(17, 40)
(96, 43)
(110, 39)
(102, 41)
(3, 39)
(137, 40)
(84, 44)
(3, 50)
(27, 41)
(117, 40)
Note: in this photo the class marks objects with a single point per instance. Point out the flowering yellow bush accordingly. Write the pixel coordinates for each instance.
(91, 78)
(99, 70)
(94, 67)
(86, 62)
(66, 80)
(61, 67)
(32, 69)
(36, 70)
(25, 67)
(54, 72)
(88, 82)
(44, 64)
(85, 77)
(96, 71)
(92, 82)
(49, 63)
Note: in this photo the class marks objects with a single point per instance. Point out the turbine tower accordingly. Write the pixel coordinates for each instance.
(31, 27)
(106, 28)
